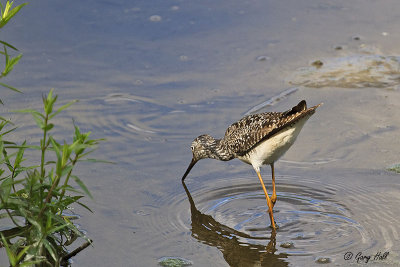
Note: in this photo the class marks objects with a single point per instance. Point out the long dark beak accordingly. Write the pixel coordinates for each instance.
(192, 163)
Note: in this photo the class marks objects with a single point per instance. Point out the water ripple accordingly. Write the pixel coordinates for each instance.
(318, 220)
(306, 216)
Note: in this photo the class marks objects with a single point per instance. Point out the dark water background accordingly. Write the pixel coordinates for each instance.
(153, 75)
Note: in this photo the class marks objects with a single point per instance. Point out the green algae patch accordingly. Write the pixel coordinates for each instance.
(174, 262)
(394, 168)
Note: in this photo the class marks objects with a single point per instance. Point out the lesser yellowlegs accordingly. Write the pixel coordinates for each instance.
(257, 139)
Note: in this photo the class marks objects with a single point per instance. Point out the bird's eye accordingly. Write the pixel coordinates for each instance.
(192, 148)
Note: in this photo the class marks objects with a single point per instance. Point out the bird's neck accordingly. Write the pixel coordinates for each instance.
(217, 150)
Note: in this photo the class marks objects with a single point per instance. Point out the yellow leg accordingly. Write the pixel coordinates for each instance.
(269, 202)
(274, 197)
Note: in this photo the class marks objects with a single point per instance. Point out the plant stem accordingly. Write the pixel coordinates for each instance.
(42, 171)
(12, 177)
(48, 197)
(55, 184)
(76, 251)
(67, 178)
(44, 146)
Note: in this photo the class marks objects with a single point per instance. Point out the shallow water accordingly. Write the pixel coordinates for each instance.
(151, 76)
(355, 71)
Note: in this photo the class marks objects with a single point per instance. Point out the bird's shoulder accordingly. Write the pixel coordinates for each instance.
(248, 131)
(253, 122)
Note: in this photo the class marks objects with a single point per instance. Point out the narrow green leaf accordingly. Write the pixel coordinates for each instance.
(13, 145)
(49, 127)
(50, 95)
(49, 247)
(75, 146)
(6, 9)
(16, 9)
(10, 254)
(65, 154)
(33, 221)
(51, 175)
(10, 63)
(56, 147)
(5, 188)
(71, 189)
(48, 223)
(57, 229)
(7, 44)
(10, 87)
(83, 205)
(21, 254)
(62, 108)
(9, 131)
(77, 131)
(97, 161)
(82, 185)
(38, 120)
(19, 156)
(66, 170)
(8, 13)
(49, 102)
(7, 160)
(32, 111)
(28, 168)
(84, 154)
(6, 55)
(18, 202)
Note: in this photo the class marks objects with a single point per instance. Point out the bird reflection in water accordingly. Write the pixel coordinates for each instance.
(236, 253)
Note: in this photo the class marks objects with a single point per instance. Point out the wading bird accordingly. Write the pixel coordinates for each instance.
(257, 139)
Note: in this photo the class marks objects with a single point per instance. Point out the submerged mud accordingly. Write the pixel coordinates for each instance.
(355, 71)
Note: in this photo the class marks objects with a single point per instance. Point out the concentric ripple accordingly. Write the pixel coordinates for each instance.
(315, 220)
(306, 215)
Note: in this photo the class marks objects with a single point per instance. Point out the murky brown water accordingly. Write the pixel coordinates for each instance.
(151, 76)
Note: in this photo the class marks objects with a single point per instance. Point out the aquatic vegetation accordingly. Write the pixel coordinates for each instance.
(394, 168)
(323, 260)
(174, 262)
(8, 12)
(355, 71)
(38, 225)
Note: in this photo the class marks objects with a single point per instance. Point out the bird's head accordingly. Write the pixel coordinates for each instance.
(201, 148)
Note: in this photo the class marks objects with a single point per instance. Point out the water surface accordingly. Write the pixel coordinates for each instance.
(153, 75)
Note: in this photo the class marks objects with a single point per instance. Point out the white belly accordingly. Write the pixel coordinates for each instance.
(273, 148)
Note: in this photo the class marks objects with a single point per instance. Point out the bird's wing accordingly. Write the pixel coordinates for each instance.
(246, 133)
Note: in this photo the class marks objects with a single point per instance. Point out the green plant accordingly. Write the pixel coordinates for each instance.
(34, 199)
(6, 13)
